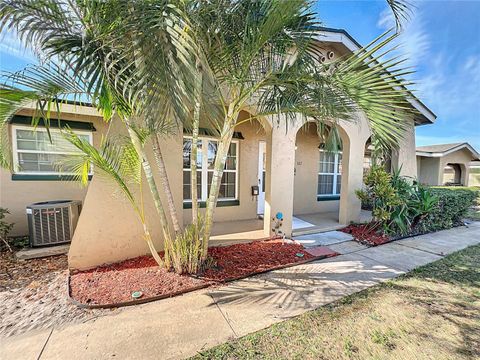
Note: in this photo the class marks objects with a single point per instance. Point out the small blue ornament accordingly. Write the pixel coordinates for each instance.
(279, 216)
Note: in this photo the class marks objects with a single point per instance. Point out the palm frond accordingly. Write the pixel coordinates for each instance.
(402, 11)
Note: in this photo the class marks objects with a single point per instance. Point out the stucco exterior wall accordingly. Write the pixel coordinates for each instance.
(108, 229)
(461, 157)
(307, 159)
(15, 195)
(429, 173)
(404, 157)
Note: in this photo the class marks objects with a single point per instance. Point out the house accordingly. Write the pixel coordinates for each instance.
(447, 164)
(312, 189)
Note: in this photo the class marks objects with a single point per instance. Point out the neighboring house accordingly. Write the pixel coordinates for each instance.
(312, 188)
(474, 178)
(447, 164)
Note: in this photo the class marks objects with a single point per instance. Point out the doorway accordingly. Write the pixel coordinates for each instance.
(261, 177)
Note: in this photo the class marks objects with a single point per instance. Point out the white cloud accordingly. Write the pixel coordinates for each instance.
(11, 45)
(413, 41)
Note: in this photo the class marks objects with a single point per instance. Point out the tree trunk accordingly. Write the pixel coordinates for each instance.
(219, 166)
(165, 183)
(149, 177)
(194, 148)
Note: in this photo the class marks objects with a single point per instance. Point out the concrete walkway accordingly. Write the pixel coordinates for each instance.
(180, 327)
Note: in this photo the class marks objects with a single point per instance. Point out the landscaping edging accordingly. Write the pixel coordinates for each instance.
(397, 238)
(177, 293)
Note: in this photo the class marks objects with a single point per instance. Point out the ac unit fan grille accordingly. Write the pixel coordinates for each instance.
(51, 225)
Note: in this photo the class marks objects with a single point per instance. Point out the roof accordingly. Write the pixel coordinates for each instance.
(440, 150)
(426, 116)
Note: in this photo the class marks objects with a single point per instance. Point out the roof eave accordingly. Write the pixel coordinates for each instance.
(425, 115)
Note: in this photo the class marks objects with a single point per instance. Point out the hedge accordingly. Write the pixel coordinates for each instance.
(453, 204)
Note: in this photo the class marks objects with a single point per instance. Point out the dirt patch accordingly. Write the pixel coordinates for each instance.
(19, 273)
(115, 283)
(365, 235)
(33, 295)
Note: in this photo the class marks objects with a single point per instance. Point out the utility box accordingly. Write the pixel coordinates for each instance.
(52, 222)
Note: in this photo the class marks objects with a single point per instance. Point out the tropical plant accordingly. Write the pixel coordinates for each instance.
(119, 160)
(264, 53)
(398, 204)
(138, 60)
(5, 228)
(102, 43)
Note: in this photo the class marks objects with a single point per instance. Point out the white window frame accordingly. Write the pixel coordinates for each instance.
(205, 171)
(16, 151)
(335, 173)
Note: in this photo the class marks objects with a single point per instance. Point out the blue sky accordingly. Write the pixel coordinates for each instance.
(442, 42)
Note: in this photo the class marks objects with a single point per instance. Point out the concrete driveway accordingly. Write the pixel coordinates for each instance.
(180, 327)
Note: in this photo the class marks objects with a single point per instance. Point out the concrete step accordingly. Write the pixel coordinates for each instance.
(35, 253)
(316, 230)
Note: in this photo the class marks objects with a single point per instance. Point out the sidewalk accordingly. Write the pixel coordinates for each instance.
(179, 327)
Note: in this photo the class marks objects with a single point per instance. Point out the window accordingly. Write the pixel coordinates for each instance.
(329, 174)
(34, 153)
(207, 150)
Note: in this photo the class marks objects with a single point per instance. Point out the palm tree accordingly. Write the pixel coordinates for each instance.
(264, 53)
(91, 38)
(119, 161)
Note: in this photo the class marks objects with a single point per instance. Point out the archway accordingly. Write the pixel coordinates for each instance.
(452, 174)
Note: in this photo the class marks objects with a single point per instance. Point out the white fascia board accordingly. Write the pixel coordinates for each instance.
(456, 148)
(336, 37)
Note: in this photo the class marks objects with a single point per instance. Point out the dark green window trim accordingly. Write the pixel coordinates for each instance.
(54, 123)
(220, 203)
(328, 197)
(209, 132)
(46, 177)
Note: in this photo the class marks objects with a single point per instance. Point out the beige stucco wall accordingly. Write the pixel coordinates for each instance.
(15, 195)
(429, 173)
(306, 174)
(108, 230)
(404, 156)
(461, 157)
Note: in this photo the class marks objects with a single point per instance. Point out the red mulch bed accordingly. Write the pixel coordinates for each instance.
(362, 234)
(114, 283)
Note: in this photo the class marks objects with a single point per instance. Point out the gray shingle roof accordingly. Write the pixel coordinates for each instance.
(439, 148)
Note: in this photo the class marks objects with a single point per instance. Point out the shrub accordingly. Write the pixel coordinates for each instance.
(398, 204)
(5, 228)
(452, 206)
(184, 254)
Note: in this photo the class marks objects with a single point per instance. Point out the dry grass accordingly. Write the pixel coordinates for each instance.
(432, 313)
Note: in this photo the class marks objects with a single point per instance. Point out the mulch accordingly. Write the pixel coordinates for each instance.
(366, 236)
(113, 284)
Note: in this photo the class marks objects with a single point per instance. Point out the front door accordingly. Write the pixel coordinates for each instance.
(261, 177)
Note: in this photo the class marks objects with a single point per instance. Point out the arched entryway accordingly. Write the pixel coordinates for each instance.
(452, 174)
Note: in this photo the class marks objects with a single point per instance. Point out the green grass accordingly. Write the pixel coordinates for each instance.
(430, 313)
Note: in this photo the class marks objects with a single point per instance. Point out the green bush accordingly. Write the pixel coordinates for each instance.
(398, 204)
(453, 204)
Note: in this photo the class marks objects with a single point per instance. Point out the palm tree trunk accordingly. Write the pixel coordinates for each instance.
(147, 169)
(157, 152)
(219, 166)
(194, 147)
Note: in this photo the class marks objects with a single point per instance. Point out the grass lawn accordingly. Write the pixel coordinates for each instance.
(430, 313)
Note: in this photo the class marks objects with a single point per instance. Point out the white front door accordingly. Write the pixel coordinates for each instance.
(261, 177)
